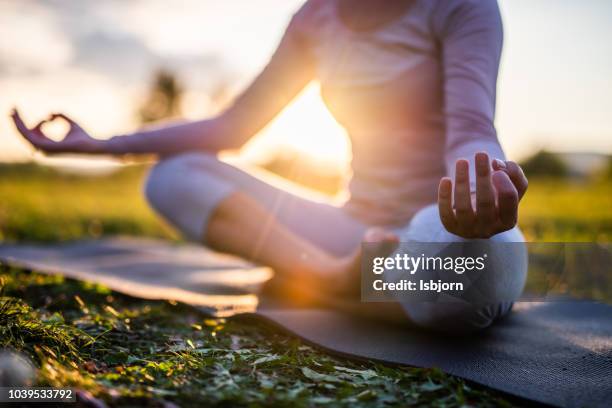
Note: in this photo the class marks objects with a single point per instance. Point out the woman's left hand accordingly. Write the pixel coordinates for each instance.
(494, 207)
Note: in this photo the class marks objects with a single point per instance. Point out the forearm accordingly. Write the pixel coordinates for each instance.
(472, 37)
(210, 135)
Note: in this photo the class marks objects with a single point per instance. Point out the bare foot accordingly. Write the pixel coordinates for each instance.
(380, 242)
(324, 278)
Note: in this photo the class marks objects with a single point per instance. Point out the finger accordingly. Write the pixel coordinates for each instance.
(37, 130)
(498, 164)
(518, 177)
(17, 120)
(516, 174)
(445, 204)
(21, 127)
(507, 199)
(463, 200)
(56, 115)
(37, 140)
(485, 194)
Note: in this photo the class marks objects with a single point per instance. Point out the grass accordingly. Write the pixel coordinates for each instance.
(133, 352)
(39, 204)
(562, 211)
(129, 352)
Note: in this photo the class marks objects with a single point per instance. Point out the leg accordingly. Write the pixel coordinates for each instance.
(240, 225)
(502, 282)
(232, 211)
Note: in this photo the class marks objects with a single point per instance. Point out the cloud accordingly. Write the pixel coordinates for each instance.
(42, 37)
(118, 56)
(126, 59)
(30, 41)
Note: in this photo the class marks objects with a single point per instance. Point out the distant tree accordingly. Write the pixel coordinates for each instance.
(545, 163)
(608, 170)
(164, 99)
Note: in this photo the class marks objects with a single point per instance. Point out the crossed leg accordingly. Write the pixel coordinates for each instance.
(262, 219)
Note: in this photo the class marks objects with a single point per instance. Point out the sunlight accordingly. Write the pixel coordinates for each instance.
(305, 126)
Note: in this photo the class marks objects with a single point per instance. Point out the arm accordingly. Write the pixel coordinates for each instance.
(471, 37)
(476, 201)
(288, 71)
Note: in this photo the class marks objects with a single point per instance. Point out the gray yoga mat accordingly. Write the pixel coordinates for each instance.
(558, 353)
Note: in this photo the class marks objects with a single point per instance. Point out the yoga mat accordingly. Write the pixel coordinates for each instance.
(558, 353)
(219, 284)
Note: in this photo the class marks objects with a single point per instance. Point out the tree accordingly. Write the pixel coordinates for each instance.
(164, 99)
(546, 164)
(607, 172)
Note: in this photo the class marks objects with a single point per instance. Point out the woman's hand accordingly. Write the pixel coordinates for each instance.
(493, 209)
(76, 139)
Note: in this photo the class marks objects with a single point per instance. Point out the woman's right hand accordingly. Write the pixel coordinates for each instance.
(76, 140)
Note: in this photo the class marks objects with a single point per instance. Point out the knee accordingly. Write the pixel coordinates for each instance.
(482, 300)
(169, 179)
(185, 190)
(163, 176)
(456, 318)
(487, 295)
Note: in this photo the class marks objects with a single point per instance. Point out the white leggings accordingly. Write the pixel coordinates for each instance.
(186, 189)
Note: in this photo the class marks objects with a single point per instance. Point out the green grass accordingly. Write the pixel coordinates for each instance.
(561, 211)
(130, 352)
(133, 352)
(39, 204)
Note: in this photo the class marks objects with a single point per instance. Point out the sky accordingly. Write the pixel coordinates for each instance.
(94, 60)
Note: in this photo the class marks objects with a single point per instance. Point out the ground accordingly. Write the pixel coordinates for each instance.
(127, 351)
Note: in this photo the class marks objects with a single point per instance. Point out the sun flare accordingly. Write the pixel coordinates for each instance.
(306, 127)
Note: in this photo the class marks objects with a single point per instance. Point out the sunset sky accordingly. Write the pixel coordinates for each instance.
(94, 60)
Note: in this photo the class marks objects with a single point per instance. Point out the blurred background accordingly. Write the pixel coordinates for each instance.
(117, 65)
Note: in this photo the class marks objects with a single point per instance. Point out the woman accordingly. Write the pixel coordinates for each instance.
(413, 82)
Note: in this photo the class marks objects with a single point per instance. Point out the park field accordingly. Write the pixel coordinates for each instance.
(131, 352)
(41, 204)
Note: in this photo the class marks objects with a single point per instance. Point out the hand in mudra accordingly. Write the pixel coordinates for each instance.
(76, 139)
(494, 207)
